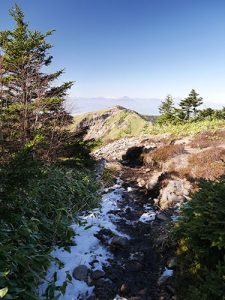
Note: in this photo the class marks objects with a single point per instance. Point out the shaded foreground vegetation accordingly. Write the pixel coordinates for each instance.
(46, 174)
(38, 203)
(201, 243)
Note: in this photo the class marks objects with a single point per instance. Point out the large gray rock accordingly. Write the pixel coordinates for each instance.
(175, 192)
(81, 273)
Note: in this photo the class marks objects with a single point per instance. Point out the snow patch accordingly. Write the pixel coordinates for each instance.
(167, 273)
(87, 248)
(147, 217)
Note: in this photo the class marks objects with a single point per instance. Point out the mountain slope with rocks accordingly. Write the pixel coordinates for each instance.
(112, 124)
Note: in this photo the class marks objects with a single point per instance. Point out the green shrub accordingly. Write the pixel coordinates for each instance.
(38, 203)
(200, 231)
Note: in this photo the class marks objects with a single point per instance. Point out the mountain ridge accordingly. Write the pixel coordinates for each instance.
(112, 123)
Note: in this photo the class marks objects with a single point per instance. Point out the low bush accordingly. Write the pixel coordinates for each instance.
(38, 202)
(162, 154)
(201, 243)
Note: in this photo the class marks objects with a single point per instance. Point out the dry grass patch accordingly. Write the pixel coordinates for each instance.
(208, 139)
(209, 164)
(162, 154)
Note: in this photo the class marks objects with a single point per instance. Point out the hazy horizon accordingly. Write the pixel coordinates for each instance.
(146, 106)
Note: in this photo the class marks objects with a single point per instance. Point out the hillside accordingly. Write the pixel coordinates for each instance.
(118, 122)
(112, 124)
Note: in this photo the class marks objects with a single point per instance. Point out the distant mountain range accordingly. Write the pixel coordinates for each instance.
(79, 105)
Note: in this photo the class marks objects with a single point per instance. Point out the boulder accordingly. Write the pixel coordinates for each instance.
(175, 192)
(81, 273)
(162, 217)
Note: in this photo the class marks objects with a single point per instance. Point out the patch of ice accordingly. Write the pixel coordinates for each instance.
(167, 273)
(147, 217)
(87, 248)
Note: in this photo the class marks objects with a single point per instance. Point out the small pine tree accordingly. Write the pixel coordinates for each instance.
(167, 106)
(166, 110)
(31, 106)
(189, 105)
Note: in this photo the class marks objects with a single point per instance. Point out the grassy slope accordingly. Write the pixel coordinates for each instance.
(123, 123)
(127, 123)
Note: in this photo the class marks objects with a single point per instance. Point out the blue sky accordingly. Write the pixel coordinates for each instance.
(134, 48)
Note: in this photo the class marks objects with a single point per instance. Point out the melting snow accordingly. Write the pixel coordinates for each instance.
(147, 217)
(87, 247)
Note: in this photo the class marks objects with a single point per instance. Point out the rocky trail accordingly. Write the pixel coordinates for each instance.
(122, 249)
(114, 255)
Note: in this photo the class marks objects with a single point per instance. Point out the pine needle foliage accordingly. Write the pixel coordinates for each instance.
(32, 110)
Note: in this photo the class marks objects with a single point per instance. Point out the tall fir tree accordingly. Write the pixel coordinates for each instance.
(31, 105)
(189, 105)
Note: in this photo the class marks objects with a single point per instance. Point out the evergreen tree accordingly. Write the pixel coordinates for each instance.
(167, 106)
(189, 105)
(31, 106)
(166, 110)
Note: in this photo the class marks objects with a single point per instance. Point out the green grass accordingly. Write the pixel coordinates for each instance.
(186, 129)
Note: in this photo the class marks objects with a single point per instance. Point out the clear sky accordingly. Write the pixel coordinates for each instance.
(134, 48)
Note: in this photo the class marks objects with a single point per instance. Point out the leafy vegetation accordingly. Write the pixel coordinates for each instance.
(201, 238)
(38, 203)
(186, 128)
